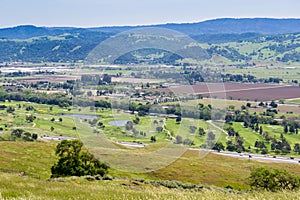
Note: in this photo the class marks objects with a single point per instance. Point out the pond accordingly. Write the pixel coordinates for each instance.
(80, 116)
(118, 122)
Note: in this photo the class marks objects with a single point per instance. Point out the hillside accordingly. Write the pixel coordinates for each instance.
(237, 41)
(216, 26)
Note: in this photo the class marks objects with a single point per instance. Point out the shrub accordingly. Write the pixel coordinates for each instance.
(74, 161)
(273, 180)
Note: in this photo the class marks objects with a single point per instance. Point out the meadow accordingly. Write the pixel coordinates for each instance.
(34, 160)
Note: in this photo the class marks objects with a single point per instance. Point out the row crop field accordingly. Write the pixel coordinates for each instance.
(238, 91)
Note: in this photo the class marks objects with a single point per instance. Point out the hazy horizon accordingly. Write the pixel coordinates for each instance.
(95, 13)
(55, 26)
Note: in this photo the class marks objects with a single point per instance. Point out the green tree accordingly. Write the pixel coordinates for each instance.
(74, 161)
(261, 130)
(218, 146)
(129, 125)
(10, 109)
(193, 129)
(273, 180)
(178, 139)
(286, 130)
(188, 142)
(178, 120)
(30, 118)
(201, 131)
(106, 78)
(297, 148)
(153, 139)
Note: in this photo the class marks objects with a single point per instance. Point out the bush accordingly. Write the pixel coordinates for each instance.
(107, 177)
(273, 180)
(73, 161)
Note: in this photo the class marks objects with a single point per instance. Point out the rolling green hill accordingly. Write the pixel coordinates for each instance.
(235, 40)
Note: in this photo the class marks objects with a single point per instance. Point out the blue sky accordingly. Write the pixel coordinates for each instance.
(91, 13)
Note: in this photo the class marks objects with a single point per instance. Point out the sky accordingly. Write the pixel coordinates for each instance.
(95, 13)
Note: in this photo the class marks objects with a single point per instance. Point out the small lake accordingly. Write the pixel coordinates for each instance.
(80, 116)
(118, 122)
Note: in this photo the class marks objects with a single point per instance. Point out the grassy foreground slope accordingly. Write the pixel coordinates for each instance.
(18, 187)
(215, 169)
(36, 159)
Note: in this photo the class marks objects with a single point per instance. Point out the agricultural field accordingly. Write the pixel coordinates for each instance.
(287, 73)
(294, 101)
(239, 91)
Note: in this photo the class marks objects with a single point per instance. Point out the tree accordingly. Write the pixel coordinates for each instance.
(153, 139)
(136, 120)
(188, 142)
(273, 104)
(273, 180)
(178, 139)
(30, 118)
(106, 78)
(281, 145)
(292, 128)
(297, 148)
(159, 129)
(193, 129)
(10, 109)
(260, 145)
(218, 146)
(201, 131)
(211, 136)
(230, 146)
(129, 126)
(231, 131)
(74, 161)
(260, 130)
(34, 136)
(286, 130)
(256, 127)
(60, 119)
(89, 93)
(178, 120)
(17, 133)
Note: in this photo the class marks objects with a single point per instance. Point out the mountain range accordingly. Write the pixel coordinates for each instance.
(61, 44)
(216, 26)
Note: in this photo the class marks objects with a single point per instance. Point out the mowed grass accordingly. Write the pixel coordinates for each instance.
(250, 136)
(183, 129)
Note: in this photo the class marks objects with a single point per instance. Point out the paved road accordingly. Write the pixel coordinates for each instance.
(278, 159)
(56, 138)
(132, 144)
(258, 157)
